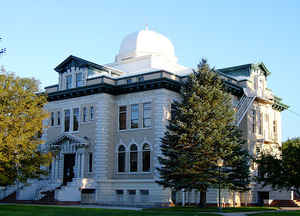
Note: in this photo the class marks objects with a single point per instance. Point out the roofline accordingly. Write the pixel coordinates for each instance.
(89, 63)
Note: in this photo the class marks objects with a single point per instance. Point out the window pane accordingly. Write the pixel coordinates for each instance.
(134, 116)
(58, 118)
(146, 158)
(91, 113)
(84, 114)
(147, 123)
(121, 159)
(147, 112)
(68, 81)
(67, 120)
(122, 118)
(91, 72)
(119, 192)
(52, 118)
(133, 148)
(75, 119)
(121, 148)
(79, 79)
(146, 147)
(91, 162)
(133, 158)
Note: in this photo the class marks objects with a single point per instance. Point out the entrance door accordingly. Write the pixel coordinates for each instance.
(262, 195)
(69, 162)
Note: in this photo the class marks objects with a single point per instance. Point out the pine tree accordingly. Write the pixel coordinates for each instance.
(200, 132)
(21, 115)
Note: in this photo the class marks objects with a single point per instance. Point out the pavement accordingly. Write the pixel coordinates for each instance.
(282, 209)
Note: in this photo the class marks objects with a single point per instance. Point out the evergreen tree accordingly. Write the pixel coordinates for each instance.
(21, 115)
(200, 132)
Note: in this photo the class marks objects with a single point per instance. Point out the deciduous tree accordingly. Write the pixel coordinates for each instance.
(21, 115)
(281, 171)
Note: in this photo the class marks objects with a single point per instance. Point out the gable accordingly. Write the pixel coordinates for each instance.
(243, 72)
(73, 61)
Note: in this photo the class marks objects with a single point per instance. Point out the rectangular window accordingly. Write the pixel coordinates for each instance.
(275, 130)
(147, 112)
(75, 119)
(144, 192)
(253, 121)
(79, 79)
(131, 192)
(119, 192)
(141, 79)
(134, 116)
(58, 118)
(90, 162)
(68, 81)
(91, 72)
(92, 113)
(84, 114)
(67, 120)
(122, 117)
(52, 118)
(260, 120)
(268, 133)
(129, 81)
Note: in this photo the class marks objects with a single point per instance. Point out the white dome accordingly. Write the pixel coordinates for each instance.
(145, 42)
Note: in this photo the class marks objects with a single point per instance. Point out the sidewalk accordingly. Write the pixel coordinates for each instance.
(81, 206)
(282, 209)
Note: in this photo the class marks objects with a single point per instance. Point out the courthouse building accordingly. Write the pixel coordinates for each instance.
(107, 120)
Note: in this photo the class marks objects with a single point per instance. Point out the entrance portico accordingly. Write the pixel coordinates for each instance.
(68, 162)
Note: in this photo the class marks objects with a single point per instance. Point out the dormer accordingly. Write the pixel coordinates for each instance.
(74, 72)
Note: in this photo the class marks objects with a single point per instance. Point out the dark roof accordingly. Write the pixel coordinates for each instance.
(79, 62)
(244, 70)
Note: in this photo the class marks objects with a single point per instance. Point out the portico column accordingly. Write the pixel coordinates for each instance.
(57, 167)
(82, 165)
(52, 168)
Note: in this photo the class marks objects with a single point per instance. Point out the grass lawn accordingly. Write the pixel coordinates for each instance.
(290, 213)
(28, 210)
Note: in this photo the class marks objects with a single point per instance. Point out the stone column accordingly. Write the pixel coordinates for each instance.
(82, 165)
(57, 167)
(52, 168)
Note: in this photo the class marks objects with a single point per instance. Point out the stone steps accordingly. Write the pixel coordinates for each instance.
(285, 203)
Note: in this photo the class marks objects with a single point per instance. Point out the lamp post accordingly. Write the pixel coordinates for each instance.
(220, 164)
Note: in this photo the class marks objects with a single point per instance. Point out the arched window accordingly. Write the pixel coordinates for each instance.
(133, 158)
(146, 158)
(121, 159)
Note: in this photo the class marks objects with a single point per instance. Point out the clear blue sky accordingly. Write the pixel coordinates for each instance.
(40, 34)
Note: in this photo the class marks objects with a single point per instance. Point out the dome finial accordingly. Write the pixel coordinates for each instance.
(146, 27)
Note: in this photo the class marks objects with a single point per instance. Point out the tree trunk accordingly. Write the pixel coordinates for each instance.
(202, 203)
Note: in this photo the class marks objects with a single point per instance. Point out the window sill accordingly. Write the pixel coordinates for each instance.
(134, 129)
(86, 122)
(55, 126)
(133, 173)
(71, 132)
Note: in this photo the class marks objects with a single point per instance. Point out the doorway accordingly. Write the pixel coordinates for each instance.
(69, 162)
(262, 195)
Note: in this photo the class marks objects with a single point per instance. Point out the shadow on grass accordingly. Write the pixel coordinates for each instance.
(31, 210)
